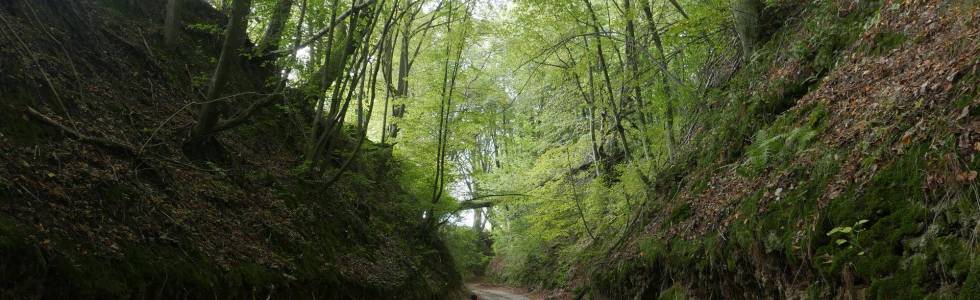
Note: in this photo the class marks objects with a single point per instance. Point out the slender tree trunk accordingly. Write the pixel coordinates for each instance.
(665, 80)
(171, 26)
(578, 206)
(748, 17)
(358, 38)
(234, 38)
(373, 89)
(273, 33)
(445, 110)
(404, 56)
(632, 59)
(596, 158)
(605, 72)
(478, 219)
(387, 61)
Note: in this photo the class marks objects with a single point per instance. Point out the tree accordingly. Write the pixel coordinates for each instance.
(235, 37)
(406, 58)
(748, 18)
(353, 50)
(171, 27)
(665, 80)
(604, 67)
(273, 33)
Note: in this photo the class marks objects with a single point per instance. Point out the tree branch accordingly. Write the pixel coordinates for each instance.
(474, 204)
(332, 25)
(103, 142)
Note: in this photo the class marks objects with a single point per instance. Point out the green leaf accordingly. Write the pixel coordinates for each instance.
(841, 241)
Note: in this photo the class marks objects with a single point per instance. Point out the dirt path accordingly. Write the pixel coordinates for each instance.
(484, 292)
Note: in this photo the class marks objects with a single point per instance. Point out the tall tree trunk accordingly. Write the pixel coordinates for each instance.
(234, 38)
(665, 81)
(171, 26)
(357, 46)
(273, 33)
(404, 56)
(748, 17)
(632, 59)
(478, 219)
(596, 156)
(387, 61)
(605, 72)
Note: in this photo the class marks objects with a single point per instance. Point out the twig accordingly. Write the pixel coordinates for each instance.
(145, 44)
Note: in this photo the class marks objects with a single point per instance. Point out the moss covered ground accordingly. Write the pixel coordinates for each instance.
(850, 180)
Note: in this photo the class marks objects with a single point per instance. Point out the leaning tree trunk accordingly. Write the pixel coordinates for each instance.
(478, 219)
(234, 38)
(748, 20)
(273, 33)
(401, 90)
(665, 80)
(171, 26)
(604, 67)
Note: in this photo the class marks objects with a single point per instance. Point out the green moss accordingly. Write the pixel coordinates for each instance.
(743, 231)
(971, 287)
(893, 205)
(681, 213)
(966, 99)
(675, 292)
(651, 249)
(952, 255)
(902, 285)
(885, 41)
(817, 117)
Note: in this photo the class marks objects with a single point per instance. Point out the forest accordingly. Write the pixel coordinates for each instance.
(489, 149)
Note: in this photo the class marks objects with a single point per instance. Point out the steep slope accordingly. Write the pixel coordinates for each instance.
(859, 180)
(97, 200)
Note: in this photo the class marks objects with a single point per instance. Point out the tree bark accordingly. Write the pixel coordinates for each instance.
(478, 219)
(273, 33)
(401, 89)
(632, 59)
(234, 38)
(748, 16)
(605, 72)
(171, 26)
(665, 80)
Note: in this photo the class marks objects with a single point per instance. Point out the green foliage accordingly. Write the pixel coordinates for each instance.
(775, 149)
(468, 249)
(205, 28)
(846, 236)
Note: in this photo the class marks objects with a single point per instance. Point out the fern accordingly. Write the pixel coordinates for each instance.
(778, 148)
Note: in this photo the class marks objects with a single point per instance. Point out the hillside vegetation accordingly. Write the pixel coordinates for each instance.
(414, 149)
(838, 160)
(98, 200)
